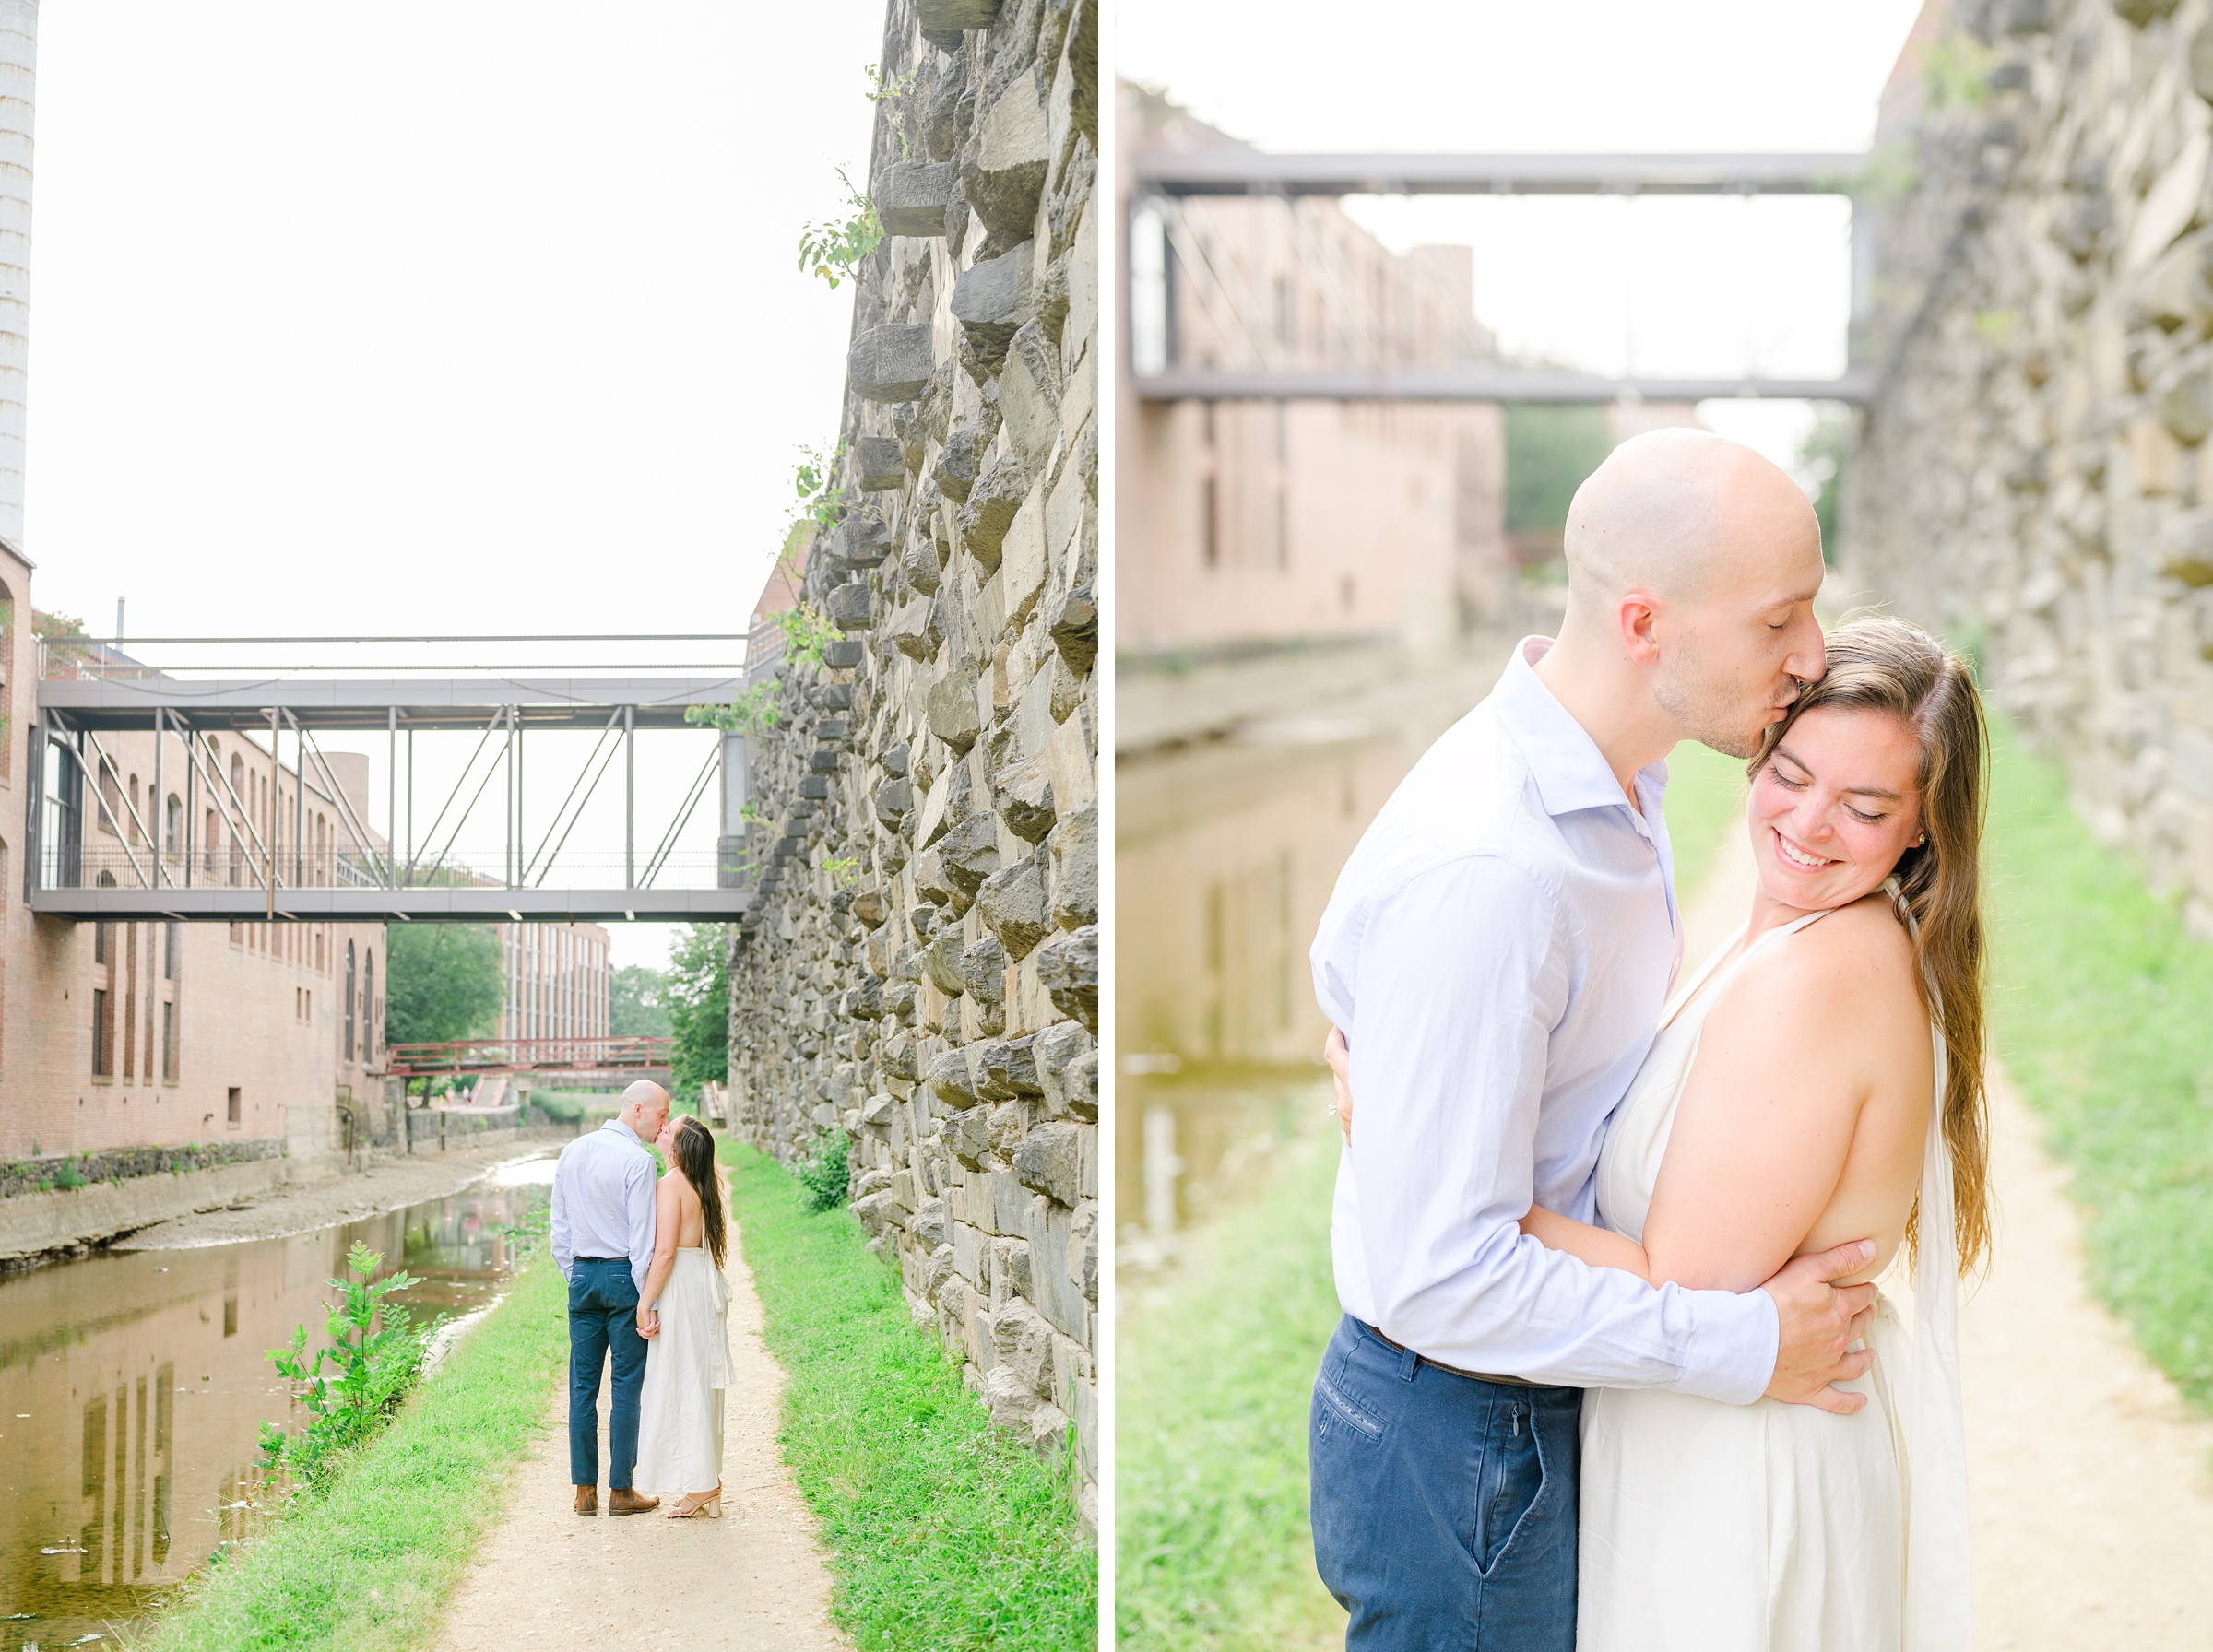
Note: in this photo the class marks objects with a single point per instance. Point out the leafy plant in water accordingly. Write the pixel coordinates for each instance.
(828, 1174)
(834, 248)
(377, 1354)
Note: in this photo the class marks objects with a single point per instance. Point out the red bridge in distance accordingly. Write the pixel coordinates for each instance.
(618, 1059)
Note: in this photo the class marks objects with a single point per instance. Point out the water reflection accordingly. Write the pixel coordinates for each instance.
(132, 1386)
(1224, 858)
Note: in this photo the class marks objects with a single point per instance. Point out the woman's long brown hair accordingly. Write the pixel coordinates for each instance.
(1886, 664)
(696, 1157)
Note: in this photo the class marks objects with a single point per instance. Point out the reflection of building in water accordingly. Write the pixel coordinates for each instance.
(133, 1387)
(1245, 521)
(1225, 860)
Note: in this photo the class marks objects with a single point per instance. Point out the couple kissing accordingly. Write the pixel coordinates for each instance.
(1613, 1372)
(643, 1260)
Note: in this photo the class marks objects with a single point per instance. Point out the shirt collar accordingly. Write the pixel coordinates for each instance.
(620, 1128)
(1570, 772)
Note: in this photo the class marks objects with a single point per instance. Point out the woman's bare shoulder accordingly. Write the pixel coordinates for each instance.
(1843, 976)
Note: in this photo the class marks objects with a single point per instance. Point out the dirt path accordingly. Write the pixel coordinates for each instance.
(303, 1206)
(2089, 1493)
(753, 1579)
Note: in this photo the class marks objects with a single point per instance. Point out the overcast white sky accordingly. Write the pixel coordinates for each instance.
(421, 317)
(1660, 286)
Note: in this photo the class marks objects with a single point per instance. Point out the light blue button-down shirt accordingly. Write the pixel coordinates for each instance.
(603, 1200)
(1497, 953)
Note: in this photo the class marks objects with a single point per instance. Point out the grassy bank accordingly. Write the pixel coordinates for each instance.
(1211, 1440)
(1705, 799)
(2104, 1013)
(366, 1564)
(942, 1533)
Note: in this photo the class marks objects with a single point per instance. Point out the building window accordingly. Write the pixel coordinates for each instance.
(172, 816)
(237, 1113)
(103, 1034)
(100, 944)
(168, 1043)
(111, 798)
(172, 950)
(350, 991)
(1209, 524)
(368, 1002)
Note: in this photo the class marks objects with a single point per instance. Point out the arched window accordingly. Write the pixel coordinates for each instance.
(136, 815)
(350, 990)
(172, 825)
(369, 1028)
(111, 798)
(210, 843)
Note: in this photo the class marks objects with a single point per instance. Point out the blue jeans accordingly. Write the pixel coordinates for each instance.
(603, 1318)
(1443, 1506)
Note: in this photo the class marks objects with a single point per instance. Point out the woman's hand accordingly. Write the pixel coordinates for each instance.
(1340, 1058)
(649, 1322)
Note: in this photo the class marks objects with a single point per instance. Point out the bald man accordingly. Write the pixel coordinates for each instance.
(1496, 956)
(603, 1243)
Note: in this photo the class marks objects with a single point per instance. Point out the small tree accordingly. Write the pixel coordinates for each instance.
(637, 1009)
(697, 997)
(445, 982)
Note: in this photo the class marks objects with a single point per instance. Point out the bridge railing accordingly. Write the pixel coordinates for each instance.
(113, 863)
(635, 1054)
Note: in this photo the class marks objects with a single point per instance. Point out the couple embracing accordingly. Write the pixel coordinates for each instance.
(1613, 1373)
(643, 1260)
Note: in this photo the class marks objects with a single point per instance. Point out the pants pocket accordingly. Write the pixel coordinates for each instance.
(1334, 1407)
(1512, 1483)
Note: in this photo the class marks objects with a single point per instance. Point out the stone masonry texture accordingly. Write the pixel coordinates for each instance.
(2034, 474)
(920, 966)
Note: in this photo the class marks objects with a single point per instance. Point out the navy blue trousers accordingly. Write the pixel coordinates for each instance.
(603, 1319)
(1443, 1506)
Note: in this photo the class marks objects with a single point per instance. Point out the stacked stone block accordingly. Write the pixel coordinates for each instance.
(920, 968)
(2034, 474)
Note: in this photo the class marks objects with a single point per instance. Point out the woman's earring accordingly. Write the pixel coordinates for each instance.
(1921, 839)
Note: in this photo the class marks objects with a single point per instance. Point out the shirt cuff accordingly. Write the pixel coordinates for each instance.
(1731, 1356)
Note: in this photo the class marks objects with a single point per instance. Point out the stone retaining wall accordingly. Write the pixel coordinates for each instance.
(34, 1225)
(920, 968)
(461, 1123)
(2034, 474)
(117, 1164)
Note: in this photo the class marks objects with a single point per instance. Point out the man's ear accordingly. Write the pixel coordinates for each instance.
(1639, 619)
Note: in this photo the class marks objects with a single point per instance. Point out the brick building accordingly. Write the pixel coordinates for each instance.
(1248, 523)
(559, 981)
(125, 1034)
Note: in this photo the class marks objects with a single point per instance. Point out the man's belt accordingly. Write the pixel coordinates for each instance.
(1481, 1376)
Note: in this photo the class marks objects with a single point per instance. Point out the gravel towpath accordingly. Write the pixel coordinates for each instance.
(754, 1579)
(2090, 1494)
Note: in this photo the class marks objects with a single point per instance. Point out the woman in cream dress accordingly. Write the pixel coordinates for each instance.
(1820, 1079)
(684, 1312)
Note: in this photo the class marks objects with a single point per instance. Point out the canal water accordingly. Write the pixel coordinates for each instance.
(133, 1386)
(1224, 857)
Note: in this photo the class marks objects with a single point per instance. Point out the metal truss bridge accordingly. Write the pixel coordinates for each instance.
(1172, 257)
(233, 811)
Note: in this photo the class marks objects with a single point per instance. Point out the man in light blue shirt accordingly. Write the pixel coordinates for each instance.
(1497, 954)
(603, 1191)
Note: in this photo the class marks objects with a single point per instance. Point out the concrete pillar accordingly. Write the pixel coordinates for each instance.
(18, 66)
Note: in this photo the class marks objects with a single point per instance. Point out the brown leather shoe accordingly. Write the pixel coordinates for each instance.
(587, 1499)
(621, 1500)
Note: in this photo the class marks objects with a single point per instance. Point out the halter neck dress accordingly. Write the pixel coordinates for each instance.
(1774, 1528)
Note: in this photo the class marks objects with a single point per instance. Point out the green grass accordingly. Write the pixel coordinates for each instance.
(942, 1533)
(1212, 1386)
(1705, 793)
(368, 1563)
(2103, 1015)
